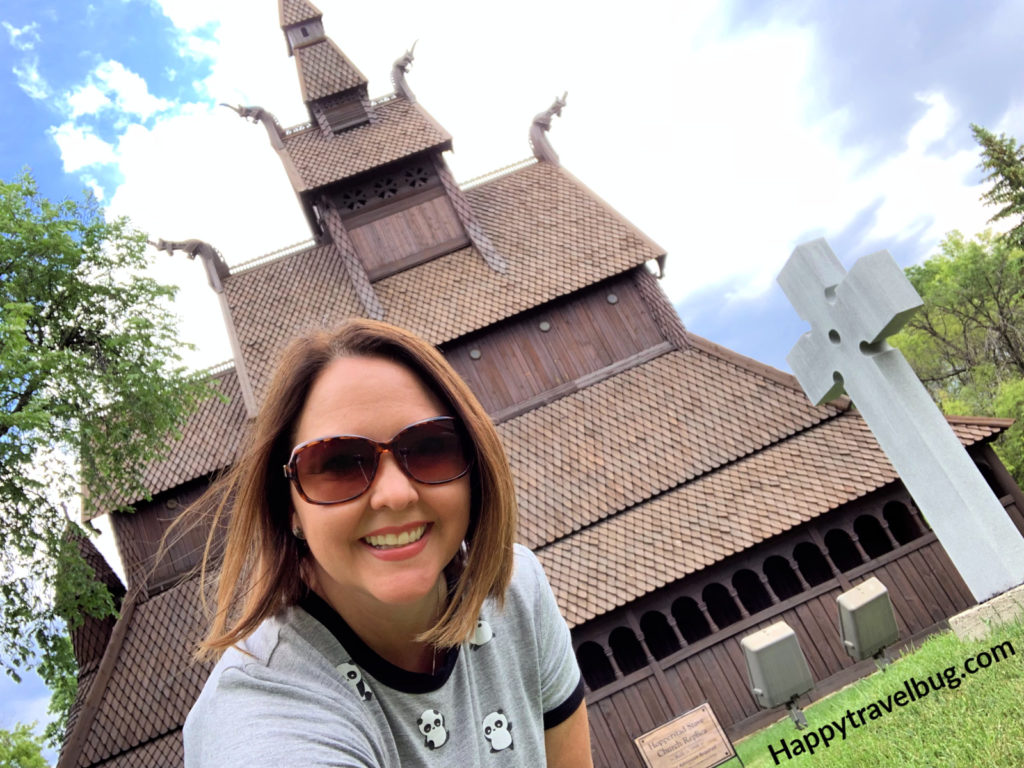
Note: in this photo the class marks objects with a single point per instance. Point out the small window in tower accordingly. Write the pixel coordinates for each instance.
(305, 32)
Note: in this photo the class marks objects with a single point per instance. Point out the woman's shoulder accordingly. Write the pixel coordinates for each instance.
(527, 572)
(259, 690)
(276, 654)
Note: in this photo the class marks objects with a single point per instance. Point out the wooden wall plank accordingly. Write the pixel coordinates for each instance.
(519, 361)
(926, 600)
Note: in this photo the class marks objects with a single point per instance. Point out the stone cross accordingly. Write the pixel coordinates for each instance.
(851, 315)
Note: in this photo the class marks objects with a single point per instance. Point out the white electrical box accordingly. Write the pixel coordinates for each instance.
(867, 623)
(776, 665)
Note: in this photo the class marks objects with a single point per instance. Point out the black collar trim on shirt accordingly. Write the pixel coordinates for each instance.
(369, 661)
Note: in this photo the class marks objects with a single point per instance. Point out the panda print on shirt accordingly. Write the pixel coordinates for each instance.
(498, 731)
(354, 678)
(482, 635)
(431, 725)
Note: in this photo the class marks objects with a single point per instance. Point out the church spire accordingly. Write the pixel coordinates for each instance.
(334, 89)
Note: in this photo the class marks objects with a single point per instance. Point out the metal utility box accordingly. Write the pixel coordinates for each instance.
(867, 623)
(776, 666)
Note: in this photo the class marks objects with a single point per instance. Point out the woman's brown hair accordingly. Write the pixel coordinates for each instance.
(263, 562)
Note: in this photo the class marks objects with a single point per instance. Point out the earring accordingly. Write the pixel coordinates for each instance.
(298, 534)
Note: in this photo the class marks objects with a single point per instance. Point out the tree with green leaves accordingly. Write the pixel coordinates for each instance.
(1004, 160)
(967, 342)
(91, 391)
(21, 748)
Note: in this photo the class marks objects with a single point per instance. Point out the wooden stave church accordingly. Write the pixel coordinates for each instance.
(679, 495)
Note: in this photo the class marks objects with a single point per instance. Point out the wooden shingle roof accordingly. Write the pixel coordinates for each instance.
(297, 11)
(152, 685)
(720, 513)
(399, 129)
(325, 70)
(555, 235)
(626, 439)
(209, 441)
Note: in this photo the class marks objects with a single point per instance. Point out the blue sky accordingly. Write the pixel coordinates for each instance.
(729, 132)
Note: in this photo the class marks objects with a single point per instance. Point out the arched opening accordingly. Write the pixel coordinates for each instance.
(902, 524)
(721, 606)
(751, 591)
(872, 536)
(841, 549)
(659, 637)
(594, 665)
(812, 563)
(781, 578)
(627, 651)
(692, 623)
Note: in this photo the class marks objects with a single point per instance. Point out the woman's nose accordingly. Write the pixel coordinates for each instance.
(391, 487)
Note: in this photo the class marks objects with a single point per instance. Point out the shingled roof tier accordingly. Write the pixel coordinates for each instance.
(298, 11)
(555, 234)
(325, 70)
(399, 129)
(722, 513)
(209, 440)
(153, 684)
(628, 438)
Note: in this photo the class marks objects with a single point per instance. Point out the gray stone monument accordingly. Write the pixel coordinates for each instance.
(851, 315)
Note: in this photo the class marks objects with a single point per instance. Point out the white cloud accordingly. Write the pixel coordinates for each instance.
(192, 175)
(129, 90)
(703, 140)
(87, 99)
(80, 147)
(24, 38)
(29, 79)
(112, 86)
(933, 126)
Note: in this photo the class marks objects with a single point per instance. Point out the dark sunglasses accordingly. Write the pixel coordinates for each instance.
(330, 470)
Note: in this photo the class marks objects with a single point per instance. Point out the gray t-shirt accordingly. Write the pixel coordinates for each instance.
(304, 690)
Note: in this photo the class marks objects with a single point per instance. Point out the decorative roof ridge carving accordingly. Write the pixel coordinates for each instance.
(542, 148)
(398, 72)
(213, 261)
(260, 115)
(219, 368)
(266, 258)
(497, 173)
(299, 128)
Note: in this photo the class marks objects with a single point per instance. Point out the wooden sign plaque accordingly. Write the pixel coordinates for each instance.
(693, 740)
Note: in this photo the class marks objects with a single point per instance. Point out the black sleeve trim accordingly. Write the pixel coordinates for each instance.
(561, 713)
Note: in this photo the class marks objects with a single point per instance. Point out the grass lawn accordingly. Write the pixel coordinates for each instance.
(972, 721)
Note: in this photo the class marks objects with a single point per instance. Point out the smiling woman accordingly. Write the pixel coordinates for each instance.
(372, 608)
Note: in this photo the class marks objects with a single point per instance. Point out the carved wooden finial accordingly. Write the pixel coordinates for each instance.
(542, 148)
(216, 267)
(398, 70)
(261, 115)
